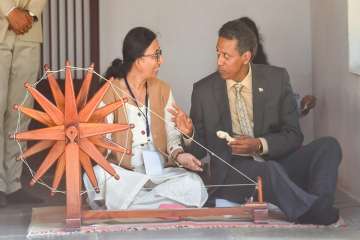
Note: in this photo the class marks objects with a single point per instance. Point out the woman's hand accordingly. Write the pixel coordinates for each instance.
(181, 120)
(307, 103)
(190, 162)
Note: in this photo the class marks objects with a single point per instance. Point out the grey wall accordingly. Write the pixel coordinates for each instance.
(338, 90)
(188, 32)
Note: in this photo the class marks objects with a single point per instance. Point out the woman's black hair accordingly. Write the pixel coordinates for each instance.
(260, 56)
(136, 41)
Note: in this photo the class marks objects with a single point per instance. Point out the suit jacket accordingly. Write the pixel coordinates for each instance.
(275, 116)
(34, 6)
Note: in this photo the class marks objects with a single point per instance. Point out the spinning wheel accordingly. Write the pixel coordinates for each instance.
(74, 131)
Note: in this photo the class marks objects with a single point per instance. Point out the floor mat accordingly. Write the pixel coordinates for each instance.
(49, 221)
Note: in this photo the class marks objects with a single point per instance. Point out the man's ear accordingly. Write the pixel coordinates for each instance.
(246, 57)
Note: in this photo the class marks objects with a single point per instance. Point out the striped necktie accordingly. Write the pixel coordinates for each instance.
(243, 116)
(245, 125)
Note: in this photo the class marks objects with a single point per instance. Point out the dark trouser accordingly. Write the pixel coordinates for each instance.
(314, 167)
(293, 183)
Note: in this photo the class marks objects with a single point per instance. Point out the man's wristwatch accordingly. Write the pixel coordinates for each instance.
(260, 147)
(34, 17)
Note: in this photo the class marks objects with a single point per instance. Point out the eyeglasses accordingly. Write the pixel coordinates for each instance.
(155, 55)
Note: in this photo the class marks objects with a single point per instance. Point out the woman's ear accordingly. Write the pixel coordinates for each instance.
(139, 63)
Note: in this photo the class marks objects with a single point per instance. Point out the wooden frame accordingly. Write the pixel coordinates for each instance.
(74, 134)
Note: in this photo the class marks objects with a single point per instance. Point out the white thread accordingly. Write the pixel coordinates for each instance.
(199, 144)
(215, 185)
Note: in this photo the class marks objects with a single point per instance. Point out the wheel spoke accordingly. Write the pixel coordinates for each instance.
(86, 164)
(39, 116)
(71, 114)
(52, 156)
(36, 148)
(55, 90)
(81, 98)
(100, 114)
(110, 145)
(90, 107)
(94, 129)
(90, 149)
(50, 133)
(53, 112)
(59, 172)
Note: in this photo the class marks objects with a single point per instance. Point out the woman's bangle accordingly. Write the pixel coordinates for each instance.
(175, 155)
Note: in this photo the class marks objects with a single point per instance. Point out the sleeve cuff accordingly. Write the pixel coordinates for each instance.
(265, 146)
(33, 15)
(10, 10)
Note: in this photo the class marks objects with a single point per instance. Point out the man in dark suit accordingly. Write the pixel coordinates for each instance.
(255, 104)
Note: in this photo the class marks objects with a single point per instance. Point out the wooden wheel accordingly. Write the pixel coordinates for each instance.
(74, 133)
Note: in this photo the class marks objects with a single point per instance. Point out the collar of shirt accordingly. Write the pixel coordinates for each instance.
(246, 82)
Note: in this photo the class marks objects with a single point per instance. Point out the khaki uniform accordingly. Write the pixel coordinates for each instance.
(19, 62)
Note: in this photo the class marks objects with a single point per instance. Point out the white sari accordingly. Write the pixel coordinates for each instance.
(136, 189)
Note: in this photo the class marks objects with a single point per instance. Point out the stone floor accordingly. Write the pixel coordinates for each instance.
(15, 219)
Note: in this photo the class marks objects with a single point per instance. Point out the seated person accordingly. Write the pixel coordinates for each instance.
(254, 104)
(149, 178)
(308, 102)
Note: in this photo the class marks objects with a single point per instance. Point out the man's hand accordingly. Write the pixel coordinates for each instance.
(19, 21)
(181, 120)
(190, 162)
(307, 103)
(245, 145)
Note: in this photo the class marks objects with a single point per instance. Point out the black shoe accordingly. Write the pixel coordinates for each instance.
(329, 217)
(3, 201)
(321, 213)
(21, 196)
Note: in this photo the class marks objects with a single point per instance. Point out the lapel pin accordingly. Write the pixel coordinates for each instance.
(261, 89)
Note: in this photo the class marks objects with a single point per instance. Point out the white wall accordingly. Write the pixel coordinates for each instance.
(188, 32)
(338, 90)
(354, 35)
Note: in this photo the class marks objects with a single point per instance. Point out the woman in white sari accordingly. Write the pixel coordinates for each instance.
(156, 174)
